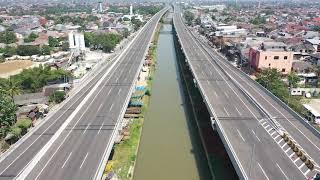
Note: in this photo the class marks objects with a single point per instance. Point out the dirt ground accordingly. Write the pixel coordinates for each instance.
(13, 67)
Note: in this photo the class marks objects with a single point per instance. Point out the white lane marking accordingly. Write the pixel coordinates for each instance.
(263, 171)
(305, 173)
(86, 128)
(296, 160)
(238, 111)
(119, 91)
(84, 160)
(28, 168)
(65, 162)
(241, 136)
(261, 120)
(287, 149)
(291, 155)
(226, 111)
(255, 135)
(266, 126)
(99, 107)
(301, 165)
(273, 133)
(215, 93)
(226, 94)
(280, 141)
(109, 92)
(263, 123)
(282, 172)
(271, 105)
(101, 127)
(283, 145)
(269, 130)
(111, 107)
(276, 137)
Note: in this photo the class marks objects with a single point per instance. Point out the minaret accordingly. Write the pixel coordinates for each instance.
(131, 10)
(100, 10)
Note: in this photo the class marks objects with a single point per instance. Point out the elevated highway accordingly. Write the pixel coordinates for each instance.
(76, 140)
(249, 119)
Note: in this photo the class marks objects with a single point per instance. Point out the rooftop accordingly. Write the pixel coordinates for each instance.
(313, 106)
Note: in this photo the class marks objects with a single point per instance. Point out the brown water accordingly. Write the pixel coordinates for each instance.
(170, 146)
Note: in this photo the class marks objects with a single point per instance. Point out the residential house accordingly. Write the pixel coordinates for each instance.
(315, 42)
(271, 55)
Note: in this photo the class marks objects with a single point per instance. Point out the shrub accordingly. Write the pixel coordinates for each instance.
(24, 124)
(16, 132)
(57, 96)
(148, 92)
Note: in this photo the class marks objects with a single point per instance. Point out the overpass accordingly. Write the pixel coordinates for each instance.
(76, 140)
(254, 125)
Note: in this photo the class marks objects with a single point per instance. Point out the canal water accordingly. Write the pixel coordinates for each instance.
(170, 146)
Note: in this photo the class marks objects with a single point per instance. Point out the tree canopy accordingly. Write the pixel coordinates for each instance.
(7, 37)
(189, 17)
(105, 41)
(7, 113)
(33, 36)
(271, 79)
(33, 79)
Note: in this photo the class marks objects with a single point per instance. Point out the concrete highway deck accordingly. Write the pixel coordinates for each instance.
(86, 123)
(254, 146)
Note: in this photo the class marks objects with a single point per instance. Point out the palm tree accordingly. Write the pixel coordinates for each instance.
(11, 88)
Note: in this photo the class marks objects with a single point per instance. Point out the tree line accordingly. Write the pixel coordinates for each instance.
(271, 79)
(104, 41)
(29, 80)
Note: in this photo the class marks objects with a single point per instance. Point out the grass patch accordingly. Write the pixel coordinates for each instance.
(125, 152)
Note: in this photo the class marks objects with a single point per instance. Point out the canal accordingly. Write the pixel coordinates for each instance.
(170, 146)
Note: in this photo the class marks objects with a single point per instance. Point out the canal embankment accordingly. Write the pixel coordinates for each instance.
(123, 156)
(170, 146)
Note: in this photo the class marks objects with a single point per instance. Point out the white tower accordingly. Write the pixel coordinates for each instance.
(71, 40)
(131, 10)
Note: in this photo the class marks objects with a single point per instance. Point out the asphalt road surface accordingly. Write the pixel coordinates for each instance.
(79, 149)
(236, 101)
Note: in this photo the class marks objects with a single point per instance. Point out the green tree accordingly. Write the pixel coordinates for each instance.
(45, 50)
(11, 88)
(8, 37)
(57, 96)
(33, 36)
(271, 79)
(136, 23)
(125, 33)
(28, 50)
(293, 80)
(125, 19)
(198, 21)
(65, 46)
(189, 17)
(9, 51)
(53, 42)
(7, 113)
(24, 125)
